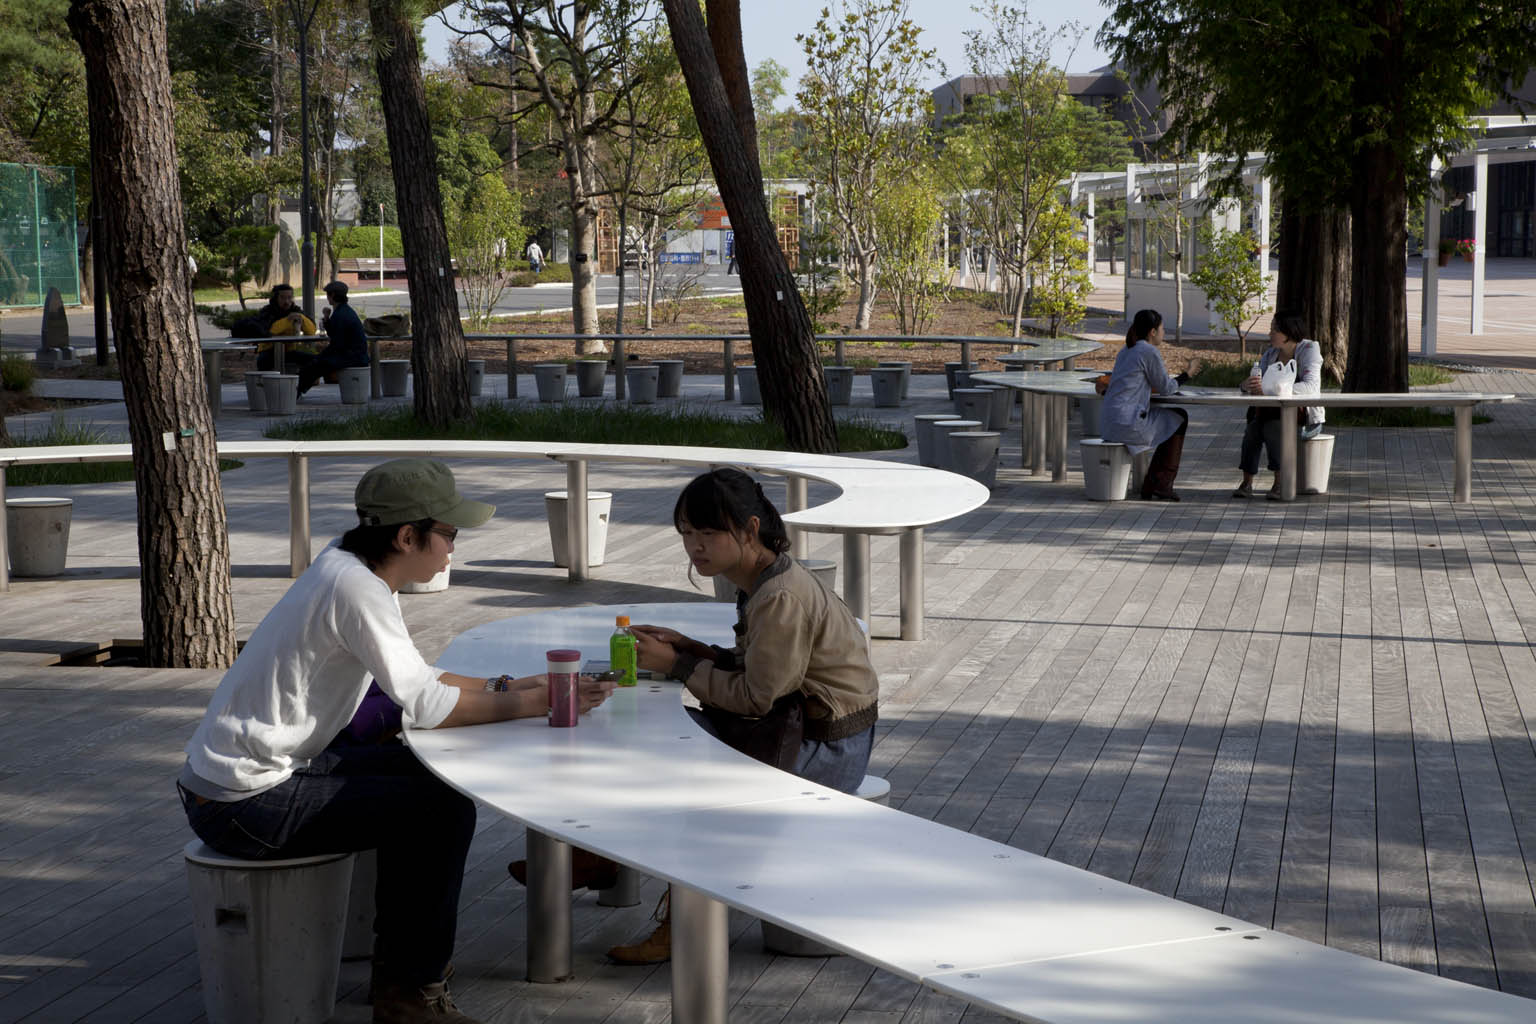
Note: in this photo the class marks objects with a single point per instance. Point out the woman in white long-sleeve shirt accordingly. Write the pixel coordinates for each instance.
(1287, 341)
(1130, 418)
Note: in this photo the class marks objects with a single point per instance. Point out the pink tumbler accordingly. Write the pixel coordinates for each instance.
(563, 667)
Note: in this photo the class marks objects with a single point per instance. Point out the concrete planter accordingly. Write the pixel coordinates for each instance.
(670, 382)
(475, 369)
(282, 391)
(941, 431)
(355, 385)
(839, 384)
(590, 375)
(37, 534)
(599, 508)
(886, 381)
(549, 378)
(973, 453)
(905, 366)
(642, 383)
(394, 376)
(746, 386)
(255, 396)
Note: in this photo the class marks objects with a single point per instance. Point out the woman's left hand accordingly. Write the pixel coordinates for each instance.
(653, 653)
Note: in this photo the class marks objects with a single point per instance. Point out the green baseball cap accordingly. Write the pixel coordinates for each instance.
(409, 490)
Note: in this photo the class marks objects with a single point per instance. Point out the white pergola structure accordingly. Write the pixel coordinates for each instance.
(1152, 189)
(1506, 139)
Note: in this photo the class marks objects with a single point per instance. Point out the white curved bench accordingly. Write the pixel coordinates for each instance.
(1033, 939)
(876, 497)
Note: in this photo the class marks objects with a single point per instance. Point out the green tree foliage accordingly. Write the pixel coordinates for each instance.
(1232, 279)
(776, 129)
(483, 228)
(910, 220)
(819, 277)
(219, 179)
(1059, 259)
(240, 256)
(1350, 99)
(1016, 142)
(42, 113)
(866, 108)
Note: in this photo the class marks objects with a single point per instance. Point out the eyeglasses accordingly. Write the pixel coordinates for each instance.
(448, 533)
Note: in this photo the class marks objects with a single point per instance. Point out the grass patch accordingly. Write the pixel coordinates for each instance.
(1405, 417)
(1221, 373)
(17, 373)
(1422, 375)
(587, 424)
(61, 432)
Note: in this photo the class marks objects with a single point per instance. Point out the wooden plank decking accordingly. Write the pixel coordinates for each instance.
(1317, 717)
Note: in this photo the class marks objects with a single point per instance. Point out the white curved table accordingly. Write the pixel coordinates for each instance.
(1028, 937)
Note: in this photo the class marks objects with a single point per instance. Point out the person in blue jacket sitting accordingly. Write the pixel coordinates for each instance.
(348, 342)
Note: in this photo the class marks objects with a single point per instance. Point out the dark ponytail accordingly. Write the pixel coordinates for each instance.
(725, 499)
(1145, 322)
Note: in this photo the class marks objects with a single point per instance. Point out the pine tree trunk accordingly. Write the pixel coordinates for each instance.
(1378, 311)
(1314, 279)
(184, 590)
(783, 346)
(438, 355)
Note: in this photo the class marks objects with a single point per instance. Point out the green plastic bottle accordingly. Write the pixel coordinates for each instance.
(621, 651)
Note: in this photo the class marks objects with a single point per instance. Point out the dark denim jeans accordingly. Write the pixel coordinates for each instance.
(363, 798)
(1264, 433)
(836, 764)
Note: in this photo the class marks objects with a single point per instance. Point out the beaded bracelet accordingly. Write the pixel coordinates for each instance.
(497, 684)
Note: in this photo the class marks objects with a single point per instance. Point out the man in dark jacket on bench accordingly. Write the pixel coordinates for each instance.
(348, 342)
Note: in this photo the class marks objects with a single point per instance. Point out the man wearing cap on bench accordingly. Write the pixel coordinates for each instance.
(263, 780)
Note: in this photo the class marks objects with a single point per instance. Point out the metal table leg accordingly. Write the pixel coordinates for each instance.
(912, 584)
(511, 367)
(700, 957)
(794, 501)
(5, 569)
(1037, 434)
(623, 893)
(1463, 414)
(1059, 412)
(213, 370)
(856, 574)
(375, 374)
(298, 514)
(549, 909)
(576, 519)
(1287, 453)
(730, 368)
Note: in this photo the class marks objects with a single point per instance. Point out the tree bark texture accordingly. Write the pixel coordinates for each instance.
(1314, 279)
(580, 172)
(724, 18)
(184, 592)
(783, 345)
(438, 356)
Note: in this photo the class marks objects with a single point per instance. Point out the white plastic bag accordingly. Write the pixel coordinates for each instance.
(1279, 379)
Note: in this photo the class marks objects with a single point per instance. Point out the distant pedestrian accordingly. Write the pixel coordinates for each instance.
(535, 257)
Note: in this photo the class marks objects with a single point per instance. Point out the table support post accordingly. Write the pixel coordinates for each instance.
(375, 374)
(1288, 453)
(730, 368)
(549, 909)
(5, 569)
(1026, 421)
(511, 367)
(856, 574)
(213, 369)
(912, 584)
(1037, 434)
(965, 355)
(700, 957)
(1060, 407)
(1463, 416)
(298, 514)
(618, 368)
(623, 893)
(576, 519)
(794, 501)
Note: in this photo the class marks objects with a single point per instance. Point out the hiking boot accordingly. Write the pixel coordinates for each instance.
(1243, 491)
(395, 1003)
(588, 871)
(655, 948)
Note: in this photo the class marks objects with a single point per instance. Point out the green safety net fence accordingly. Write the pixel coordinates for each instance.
(38, 244)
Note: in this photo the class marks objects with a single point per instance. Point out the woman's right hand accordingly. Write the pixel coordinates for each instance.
(1251, 386)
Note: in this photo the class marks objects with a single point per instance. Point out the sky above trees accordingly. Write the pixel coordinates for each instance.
(769, 29)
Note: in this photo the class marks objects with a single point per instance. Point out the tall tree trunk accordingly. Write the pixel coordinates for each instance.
(783, 346)
(437, 338)
(580, 166)
(1314, 278)
(865, 261)
(724, 17)
(184, 593)
(1378, 310)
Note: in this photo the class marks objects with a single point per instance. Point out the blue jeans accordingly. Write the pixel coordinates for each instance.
(836, 764)
(364, 798)
(1265, 434)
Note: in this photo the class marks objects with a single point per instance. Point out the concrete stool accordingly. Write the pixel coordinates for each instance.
(357, 943)
(746, 386)
(599, 509)
(973, 453)
(923, 426)
(941, 431)
(787, 943)
(839, 384)
(475, 371)
(974, 404)
(886, 382)
(393, 375)
(268, 934)
(1106, 469)
(282, 394)
(1002, 406)
(905, 366)
(355, 382)
(37, 535)
(669, 383)
(1314, 461)
(549, 378)
(643, 381)
(255, 395)
(590, 376)
(949, 375)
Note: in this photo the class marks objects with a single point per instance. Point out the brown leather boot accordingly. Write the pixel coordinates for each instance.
(655, 948)
(1158, 484)
(394, 1003)
(588, 871)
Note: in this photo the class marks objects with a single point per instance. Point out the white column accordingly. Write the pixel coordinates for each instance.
(1125, 267)
(1088, 232)
(1262, 199)
(1479, 233)
(1429, 308)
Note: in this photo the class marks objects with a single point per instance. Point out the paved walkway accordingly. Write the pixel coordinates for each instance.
(1317, 716)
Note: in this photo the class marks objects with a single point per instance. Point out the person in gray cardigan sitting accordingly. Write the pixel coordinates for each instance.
(1287, 342)
(1130, 418)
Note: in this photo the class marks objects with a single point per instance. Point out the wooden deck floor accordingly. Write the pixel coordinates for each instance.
(1317, 717)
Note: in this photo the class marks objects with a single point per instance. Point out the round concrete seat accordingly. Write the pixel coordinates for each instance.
(1106, 469)
(973, 453)
(394, 377)
(269, 934)
(1314, 461)
(927, 446)
(787, 943)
